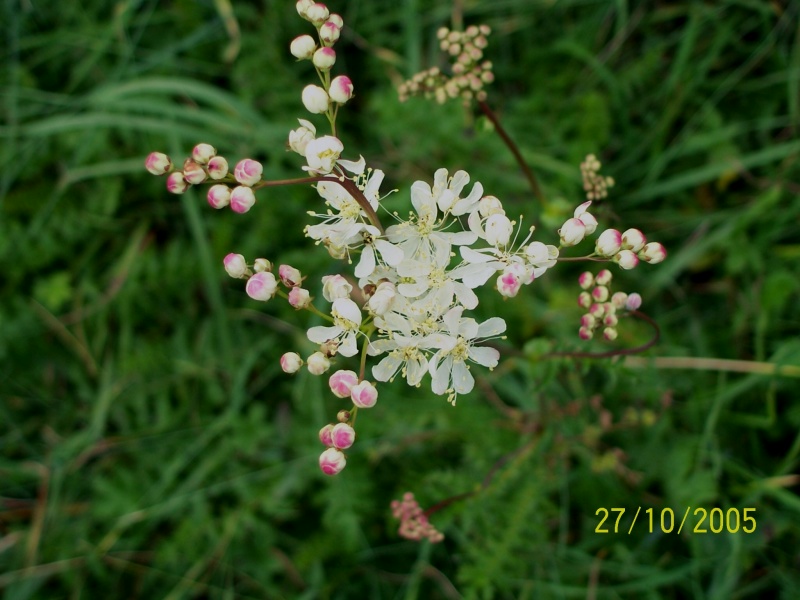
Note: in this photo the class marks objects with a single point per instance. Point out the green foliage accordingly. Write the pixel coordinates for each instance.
(151, 446)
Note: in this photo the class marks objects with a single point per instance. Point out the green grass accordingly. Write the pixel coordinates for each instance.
(151, 446)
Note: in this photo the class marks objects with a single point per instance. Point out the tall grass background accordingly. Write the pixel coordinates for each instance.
(151, 446)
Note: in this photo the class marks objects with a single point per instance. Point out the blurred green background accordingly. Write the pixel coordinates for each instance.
(151, 446)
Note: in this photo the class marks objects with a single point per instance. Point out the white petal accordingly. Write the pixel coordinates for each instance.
(488, 357)
(473, 256)
(421, 198)
(416, 369)
(452, 318)
(367, 263)
(391, 254)
(322, 334)
(463, 382)
(462, 238)
(466, 296)
(386, 369)
(491, 327)
(355, 167)
(348, 345)
(441, 378)
(347, 309)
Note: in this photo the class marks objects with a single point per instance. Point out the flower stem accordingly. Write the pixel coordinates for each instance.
(526, 170)
(347, 184)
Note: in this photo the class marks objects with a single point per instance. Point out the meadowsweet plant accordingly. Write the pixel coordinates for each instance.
(402, 307)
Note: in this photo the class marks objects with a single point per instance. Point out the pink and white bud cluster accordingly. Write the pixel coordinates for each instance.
(202, 165)
(602, 306)
(414, 523)
(628, 248)
(470, 73)
(247, 172)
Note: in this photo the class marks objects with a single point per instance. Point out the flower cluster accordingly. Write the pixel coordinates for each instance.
(402, 302)
(602, 307)
(595, 185)
(469, 72)
(414, 524)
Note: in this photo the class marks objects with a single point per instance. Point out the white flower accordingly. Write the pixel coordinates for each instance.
(541, 257)
(448, 366)
(322, 154)
(373, 244)
(335, 287)
(498, 230)
(346, 321)
(300, 137)
(433, 286)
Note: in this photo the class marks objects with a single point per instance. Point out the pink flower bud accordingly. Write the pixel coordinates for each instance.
(343, 436)
(176, 184)
(610, 334)
(572, 232)
(299, 298)
(588, 320)
(618, 299)
(242, 199)
(302, 7)
(653, 253)
(202, 153)
(262, 264)
(342, 382)
(325, 435)
(336, 20)
(633, 302)
(341, 89)
(330, 31)
(324, 58)
(261, 286)
(609, 242)
(508, 284)
(589, 222)
(585, 280)
(219, 196)
(600, 293)
(343, 416)
(332, 461)
(633, 240)
(335, 287)
(302, 47)
(291, 362)
(248, 171)
(235, 265)
(364, 395)
(318, 363)
(317, 13)
(585, 333)
(290, 276)
(217, 168)
(157, 163)
(315, 99)
(193, 173)
(610, 320)
(597, 310)
(604, 277)
(584, 299)
(626, 259)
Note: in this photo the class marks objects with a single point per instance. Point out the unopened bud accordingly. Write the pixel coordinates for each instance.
(609, 242)
(291, 362)
(342, 382)
(619, 299)
(572, 232)
(584, 299)
(336, 20)
(626, 259)
(332, 461)
(219, 196)
(324, 58)
(242, 199)
(600, 293)
(653, 253)
(302, 47)
(289, 275)
(585, 333)
(585, 280)
(604, 277)
(202, 153)
(341, 89)
(157, 163)
(633, 240)
(315, 99)
(329, 32)
(262, 264)
(610, 334)
(176, 184)
(299, 298)
(325, 435)
(248, 171)
(318, 363)
(261, 286)
(217, 168)
(317, 13)
(633, 302)
(235, 265)
(364, 395)
(343, 436)
(193, 172)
